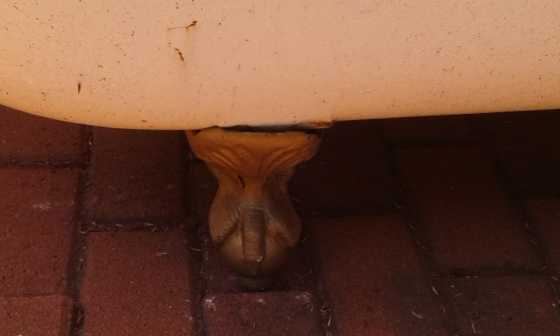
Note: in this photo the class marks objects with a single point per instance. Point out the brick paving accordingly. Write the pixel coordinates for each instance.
(137, 283)
(545, 216)
(374, 278)
(37, 228)
(503, 306)
(361, 140)
(266, 314)
(35, 316)
(430, 226)
(457, 198)
(26, 138)
(148, 182)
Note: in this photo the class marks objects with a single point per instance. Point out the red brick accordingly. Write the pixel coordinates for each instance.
(467, 217)
(518, 129)
(527, 144)
(137, 283)
(36, 213)
(503, 306)
(533, 170)
(27, 137)
(422, 129)
(35, 316)
(545, 215)
(374, 278)
(137, 175)
(349, 174)
(266, 314)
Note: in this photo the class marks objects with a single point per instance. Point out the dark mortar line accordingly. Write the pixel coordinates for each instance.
(534, 195)
(421, 241)
(340, 213)
(76, 266)
(29, 295)
(127, 230)
(192, 232)
(518, 202)
(321, 297)
(42, 164)
(493, 273)
(534, 275)
(203, 246)
(198, 285)
(148, 224)
(554, 282)
(520, 211)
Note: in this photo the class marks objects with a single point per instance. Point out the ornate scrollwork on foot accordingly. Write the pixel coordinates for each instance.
(252, 220)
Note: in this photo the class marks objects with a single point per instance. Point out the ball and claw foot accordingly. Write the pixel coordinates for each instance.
(252, 221)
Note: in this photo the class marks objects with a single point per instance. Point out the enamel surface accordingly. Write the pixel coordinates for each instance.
(194, 64)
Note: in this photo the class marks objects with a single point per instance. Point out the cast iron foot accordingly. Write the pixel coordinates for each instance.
(252, 221)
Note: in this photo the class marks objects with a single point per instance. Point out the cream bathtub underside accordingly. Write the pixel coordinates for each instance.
(126, 64)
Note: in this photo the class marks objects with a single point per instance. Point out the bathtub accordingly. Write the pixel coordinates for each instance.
(266, 67)
(195, 64)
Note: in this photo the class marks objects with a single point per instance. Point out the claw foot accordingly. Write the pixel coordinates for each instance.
(252, 221)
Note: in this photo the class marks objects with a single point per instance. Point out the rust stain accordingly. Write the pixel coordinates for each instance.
(187, 27)
(180, 54)
(192, 24)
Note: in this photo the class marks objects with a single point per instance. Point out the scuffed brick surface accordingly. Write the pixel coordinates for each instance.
(545, 216)
(137, 283)
(503, 306)
(527, 146)
(356, 152)
(35, 316)
(137, 175)
(261, 314)
(32, 138)
(374, 278)
(468, 219)
(36, 228)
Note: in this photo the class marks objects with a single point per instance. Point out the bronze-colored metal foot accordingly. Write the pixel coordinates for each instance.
(252, 220)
